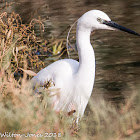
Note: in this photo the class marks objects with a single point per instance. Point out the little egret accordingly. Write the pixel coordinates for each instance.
(75, 79)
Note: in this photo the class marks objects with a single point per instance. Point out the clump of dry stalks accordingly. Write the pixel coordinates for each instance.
(18, 42)
(22, 112)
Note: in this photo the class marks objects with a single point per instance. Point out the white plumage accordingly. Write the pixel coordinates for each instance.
(75, 79)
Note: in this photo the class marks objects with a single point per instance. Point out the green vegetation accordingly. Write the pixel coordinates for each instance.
(22, 112)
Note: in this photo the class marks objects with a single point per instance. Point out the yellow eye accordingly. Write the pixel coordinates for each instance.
(100, 20)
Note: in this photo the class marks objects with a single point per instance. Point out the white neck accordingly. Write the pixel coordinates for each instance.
(86, 55)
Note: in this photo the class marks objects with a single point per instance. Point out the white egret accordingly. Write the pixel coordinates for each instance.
(75, 79)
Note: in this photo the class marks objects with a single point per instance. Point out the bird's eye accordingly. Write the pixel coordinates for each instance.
(100, 20)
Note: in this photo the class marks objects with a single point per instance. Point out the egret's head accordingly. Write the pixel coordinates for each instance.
(96, 19)
(92, 20)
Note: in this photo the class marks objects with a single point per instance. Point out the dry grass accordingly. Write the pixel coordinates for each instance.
(19, 43)
(22, 112)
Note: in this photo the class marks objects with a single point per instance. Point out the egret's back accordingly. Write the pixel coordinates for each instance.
(61, 73)
(58, 72)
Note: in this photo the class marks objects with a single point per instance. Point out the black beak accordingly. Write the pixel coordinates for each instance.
(119, 27)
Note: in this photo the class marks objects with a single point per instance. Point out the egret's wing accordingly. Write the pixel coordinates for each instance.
(60, 75)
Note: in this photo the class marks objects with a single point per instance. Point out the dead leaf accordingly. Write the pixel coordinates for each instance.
(29, 72)
(8, 35)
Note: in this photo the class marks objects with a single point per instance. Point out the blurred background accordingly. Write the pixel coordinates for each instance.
(117, 53)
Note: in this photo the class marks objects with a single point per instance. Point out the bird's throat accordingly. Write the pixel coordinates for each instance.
(86, 55)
